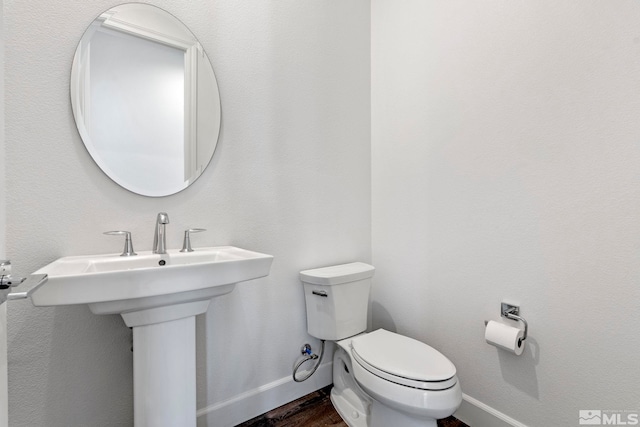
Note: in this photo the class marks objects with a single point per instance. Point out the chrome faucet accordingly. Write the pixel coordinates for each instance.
(159, 237)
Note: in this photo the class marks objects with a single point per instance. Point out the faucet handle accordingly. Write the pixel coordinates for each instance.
(186, 245)
(163, 218)
(128, 243)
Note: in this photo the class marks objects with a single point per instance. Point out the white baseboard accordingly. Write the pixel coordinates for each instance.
(477, 414)
(252, 403)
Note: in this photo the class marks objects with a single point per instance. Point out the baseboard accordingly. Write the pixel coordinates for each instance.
(252, 403)
(477, 414)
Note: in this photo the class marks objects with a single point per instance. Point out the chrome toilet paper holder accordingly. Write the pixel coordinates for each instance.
(513, 312)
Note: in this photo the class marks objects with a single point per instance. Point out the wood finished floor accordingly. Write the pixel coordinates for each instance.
(315, 410)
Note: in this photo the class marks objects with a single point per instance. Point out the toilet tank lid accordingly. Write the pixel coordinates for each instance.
(338, 274)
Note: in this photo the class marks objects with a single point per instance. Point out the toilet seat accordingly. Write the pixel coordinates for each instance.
(403, 360)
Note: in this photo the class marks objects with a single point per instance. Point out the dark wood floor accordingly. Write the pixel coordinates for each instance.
(314, 410)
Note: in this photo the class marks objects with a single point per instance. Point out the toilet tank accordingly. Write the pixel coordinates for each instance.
(337, 299)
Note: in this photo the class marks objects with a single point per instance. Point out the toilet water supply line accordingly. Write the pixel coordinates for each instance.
(308, 355)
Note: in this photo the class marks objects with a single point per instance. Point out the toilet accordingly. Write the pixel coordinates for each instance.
(380, 378)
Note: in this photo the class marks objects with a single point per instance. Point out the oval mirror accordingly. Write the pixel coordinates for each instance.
(145, 99)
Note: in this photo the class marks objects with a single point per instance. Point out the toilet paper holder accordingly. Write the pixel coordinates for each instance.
(513, 312)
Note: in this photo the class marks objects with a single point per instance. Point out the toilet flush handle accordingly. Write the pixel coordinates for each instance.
(320, 293)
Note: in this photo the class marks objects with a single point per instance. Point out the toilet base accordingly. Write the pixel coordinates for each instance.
(384, 416)
(351, 414)
(351, 403)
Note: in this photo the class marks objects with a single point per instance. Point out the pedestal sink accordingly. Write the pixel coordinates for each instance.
(159, 297)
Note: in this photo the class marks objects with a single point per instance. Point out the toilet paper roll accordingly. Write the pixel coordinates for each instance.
(505, 337)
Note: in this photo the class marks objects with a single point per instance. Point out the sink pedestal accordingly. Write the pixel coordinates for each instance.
(164, 364)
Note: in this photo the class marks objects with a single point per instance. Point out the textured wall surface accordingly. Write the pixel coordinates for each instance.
(506, 162)
(4, 399)
(2, 167)
(506, 166)
(290, 177)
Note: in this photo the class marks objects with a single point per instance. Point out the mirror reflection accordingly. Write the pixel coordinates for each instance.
(145, 99)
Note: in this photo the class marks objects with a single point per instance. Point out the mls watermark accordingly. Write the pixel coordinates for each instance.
(602, 417)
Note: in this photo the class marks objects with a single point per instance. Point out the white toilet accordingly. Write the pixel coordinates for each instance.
(380, 378)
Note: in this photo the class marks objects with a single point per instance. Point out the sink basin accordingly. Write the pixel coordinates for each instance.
(113, 284)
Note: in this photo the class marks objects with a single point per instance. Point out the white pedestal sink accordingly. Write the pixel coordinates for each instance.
(159, 297)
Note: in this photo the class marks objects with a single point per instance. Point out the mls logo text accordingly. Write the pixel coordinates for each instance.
(598, 417)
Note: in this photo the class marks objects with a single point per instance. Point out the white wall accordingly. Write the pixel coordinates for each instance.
(4, 401)
(506, 166)
(2, 138)
(290, 177)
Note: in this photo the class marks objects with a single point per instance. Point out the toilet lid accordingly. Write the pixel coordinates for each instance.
(396, 357)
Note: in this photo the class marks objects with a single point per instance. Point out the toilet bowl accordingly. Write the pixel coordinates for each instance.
(380, 378)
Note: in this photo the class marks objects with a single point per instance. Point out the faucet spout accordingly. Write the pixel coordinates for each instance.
(159, 237)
